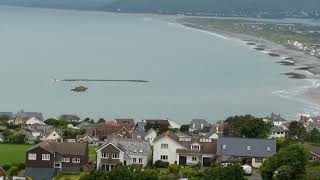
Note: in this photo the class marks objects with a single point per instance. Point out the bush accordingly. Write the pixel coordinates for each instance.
(284, 172)
(161, 164)
(13, 171)
(169, 177)
(174, 168)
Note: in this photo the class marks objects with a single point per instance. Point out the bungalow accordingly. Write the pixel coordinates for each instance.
(198, 124)
(277, 132)
(252, 151)
(126, 151)
(3, 174)
(179, 148)
(46, 159)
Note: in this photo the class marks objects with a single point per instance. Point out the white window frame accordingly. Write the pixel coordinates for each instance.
(66, 160)
(32, 156)
(194, 158)
(164, 146)
(134, 160)
(115, 156)
(195, 147)
(105, 155)
(140, 160)
(268, 149)
(45, 157)
(248, 148)
(164, 157)
(76, 160)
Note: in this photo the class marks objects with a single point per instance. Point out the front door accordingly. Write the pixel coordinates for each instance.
(183, 160)
(206, 161)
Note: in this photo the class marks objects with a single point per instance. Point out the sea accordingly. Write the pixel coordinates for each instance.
(191, 73)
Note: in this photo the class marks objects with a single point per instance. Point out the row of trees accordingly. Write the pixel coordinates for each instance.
(12, 137)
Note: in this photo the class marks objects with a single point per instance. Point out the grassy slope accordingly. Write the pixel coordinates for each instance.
(10, 153)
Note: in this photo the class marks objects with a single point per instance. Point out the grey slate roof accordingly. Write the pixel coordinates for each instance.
(275, 117)
(198, 122)
(140, 127)
(130, 146)
(276, 129)
(238, 147)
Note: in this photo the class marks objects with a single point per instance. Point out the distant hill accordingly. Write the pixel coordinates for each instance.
(261, 8)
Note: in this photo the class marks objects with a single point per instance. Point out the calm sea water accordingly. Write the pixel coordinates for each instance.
(193, 74)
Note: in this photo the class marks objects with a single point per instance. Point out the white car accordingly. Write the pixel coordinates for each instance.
(247, 169)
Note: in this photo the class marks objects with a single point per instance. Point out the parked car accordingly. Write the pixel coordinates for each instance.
(247, 169)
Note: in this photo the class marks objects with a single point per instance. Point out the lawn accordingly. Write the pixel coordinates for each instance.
(12, 153)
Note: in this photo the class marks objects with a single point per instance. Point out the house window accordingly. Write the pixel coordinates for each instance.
(140, 151)
(224, 146)
(134, 160)
(75, 160)
(140, 160)
(248, 148)
(195, 147)
(194, 158)
(268, 149)
(115, 156)
(105, 155)
(164, 157)
(32, 156)
(164, 146)
(57, 165)
(258, 160)
(46, 157)
(65, 160)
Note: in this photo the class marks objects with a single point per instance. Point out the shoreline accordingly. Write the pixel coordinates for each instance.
(306, 67)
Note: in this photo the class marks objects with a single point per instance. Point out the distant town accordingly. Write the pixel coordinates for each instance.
(68, 147)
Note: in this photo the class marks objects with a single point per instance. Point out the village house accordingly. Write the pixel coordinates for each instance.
(126, 151)
(51, 136)
(251, 151)
(110, 128)
(160, 125)
(46, 159)
(149, 136)
(21, 117)
(218, 127)
(182, 149)
(198, 124)
(33, 120)
(275, 119)
(128, 123)
(3, 174)
(277, 132)
(86, 138)
(314, 152)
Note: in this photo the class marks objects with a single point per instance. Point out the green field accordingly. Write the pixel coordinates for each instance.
(11, 153)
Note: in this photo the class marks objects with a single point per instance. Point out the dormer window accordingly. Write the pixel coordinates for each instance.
(140, 151)
(268, 149)
(248, 148)
(195, 147)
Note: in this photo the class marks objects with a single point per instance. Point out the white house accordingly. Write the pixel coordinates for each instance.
(53, 135)
(183, 150)
(275, 119)
(277, 132)
(34, 120)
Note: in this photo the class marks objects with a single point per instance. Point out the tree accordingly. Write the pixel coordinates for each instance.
(284, 173)
(293, 156)
(297, 131)
(313, 136)
(101, 120)
(4, 119)
(148, 174)
(121, 173)
(246, 126)
(184, 128)
(232, 172)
